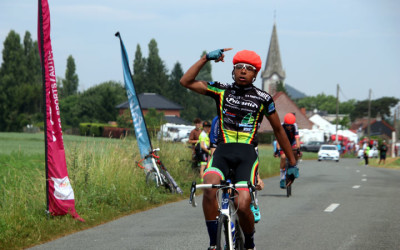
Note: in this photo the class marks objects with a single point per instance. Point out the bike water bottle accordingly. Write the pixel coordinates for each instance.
(233, 232)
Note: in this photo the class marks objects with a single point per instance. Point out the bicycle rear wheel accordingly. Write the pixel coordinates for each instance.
(289, 182)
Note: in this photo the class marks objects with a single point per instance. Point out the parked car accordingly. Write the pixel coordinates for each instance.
(328, 152)
(373, 153)
(311, 146)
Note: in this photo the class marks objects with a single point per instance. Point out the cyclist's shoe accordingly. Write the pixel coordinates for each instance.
(256, 212)
(212, 248)
(293, 171)
(282, 184)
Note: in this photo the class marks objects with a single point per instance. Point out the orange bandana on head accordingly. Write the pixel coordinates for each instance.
(248, 56)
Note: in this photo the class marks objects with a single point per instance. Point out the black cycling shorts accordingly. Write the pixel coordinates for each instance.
(241, 158)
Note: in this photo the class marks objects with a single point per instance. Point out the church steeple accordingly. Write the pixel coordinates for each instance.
(273, 72)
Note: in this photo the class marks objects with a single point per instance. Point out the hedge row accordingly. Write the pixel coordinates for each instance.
(92, 129)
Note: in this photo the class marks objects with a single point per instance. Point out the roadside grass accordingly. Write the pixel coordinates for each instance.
(390, 162)
(105, 178)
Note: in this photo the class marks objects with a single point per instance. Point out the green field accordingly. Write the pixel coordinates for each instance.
(103, 173)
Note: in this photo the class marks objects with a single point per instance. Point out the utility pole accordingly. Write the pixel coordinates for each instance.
(394, 135)
(369, 115)
(337, 113)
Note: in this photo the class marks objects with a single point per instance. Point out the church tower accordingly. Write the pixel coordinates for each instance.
(273, 72)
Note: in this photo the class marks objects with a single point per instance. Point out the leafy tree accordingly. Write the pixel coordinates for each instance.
(33, 90)
(154, 119)
(139, 71)
(156, 72)
(71, 82)
(125, 120)
(381, 105)
(175, 91)
(96, 104)
(20, 95)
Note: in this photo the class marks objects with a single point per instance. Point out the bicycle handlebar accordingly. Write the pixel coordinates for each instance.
(194, 187)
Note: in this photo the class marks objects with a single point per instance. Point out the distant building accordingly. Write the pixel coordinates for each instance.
(378, 127)
(147, 101)
(274, 73)
(285, 105)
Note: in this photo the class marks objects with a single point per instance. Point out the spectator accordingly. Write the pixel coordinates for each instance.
(194, 135)
(382, 152)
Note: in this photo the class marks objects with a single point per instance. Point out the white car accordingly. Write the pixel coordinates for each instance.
(328, 152)
(373, 153)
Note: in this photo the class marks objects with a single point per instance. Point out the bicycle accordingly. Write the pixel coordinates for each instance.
(158, 174)
(229, 234)
(289, 178)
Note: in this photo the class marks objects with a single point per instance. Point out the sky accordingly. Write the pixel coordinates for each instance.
(351, 43)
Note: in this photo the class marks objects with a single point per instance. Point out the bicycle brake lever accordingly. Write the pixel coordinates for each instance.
(192, 194)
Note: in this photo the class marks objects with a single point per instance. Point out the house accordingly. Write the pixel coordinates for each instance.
(283, 106)
(148, 101)
(378, 127)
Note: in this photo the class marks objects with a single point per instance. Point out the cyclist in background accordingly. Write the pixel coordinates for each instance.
(240, 108)
(290, 126)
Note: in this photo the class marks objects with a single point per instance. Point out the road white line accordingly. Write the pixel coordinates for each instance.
(331, 207)
(363, 179)
(358, 171)
(364, 175)
(356, 186)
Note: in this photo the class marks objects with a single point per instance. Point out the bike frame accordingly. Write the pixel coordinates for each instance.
(156, 164)
(224, 202)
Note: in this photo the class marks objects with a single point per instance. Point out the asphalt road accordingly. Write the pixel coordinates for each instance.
(334, 206)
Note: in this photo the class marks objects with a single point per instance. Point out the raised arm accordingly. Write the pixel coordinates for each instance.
(281, 137)
(189, 81)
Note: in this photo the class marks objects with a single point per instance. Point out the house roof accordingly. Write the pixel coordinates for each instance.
(284, 105)
(152, 100)
(378, 126)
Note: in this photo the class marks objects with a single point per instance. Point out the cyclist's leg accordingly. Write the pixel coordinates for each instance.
(212, 175)
(210, 207)
(246, 170)
(282, 171)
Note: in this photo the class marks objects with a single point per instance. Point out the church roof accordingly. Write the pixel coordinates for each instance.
(274, 63)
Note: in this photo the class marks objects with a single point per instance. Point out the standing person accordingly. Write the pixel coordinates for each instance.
(290, 126)
(382, 152)
(366, 154)
(240, 108)
(194, 137)
(203, 147)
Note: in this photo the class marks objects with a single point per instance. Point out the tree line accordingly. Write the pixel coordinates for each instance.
(21, 97)
(21, 93)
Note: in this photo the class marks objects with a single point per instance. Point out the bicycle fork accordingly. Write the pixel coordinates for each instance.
(224, 210)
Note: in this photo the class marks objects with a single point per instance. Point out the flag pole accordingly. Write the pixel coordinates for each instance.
(44, 106)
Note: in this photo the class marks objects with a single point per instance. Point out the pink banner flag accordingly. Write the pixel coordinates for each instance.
(60, 196)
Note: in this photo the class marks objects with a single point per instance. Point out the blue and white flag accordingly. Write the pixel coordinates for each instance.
(139, 124)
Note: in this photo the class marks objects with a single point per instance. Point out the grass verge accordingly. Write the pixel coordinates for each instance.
(103, 173)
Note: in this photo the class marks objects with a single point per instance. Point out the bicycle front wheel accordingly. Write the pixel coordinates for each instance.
(152, 179)
(223, 233)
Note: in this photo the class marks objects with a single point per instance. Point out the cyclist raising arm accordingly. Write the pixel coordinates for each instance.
(240, 107)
